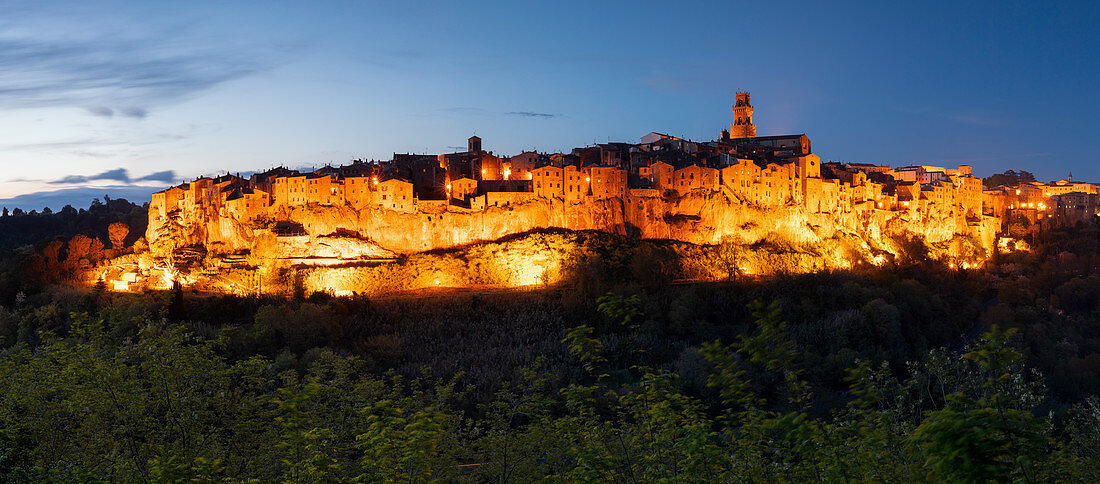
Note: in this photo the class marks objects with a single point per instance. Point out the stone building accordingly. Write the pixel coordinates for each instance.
(693, 177)
(606, 182)
(548, 182)
(463, 188)
(395, 194)
(359, 191)
(247, 204)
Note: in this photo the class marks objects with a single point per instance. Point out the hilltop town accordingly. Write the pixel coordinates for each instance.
(739, 187)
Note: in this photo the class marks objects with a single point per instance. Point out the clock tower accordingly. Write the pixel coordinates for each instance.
(742, 126)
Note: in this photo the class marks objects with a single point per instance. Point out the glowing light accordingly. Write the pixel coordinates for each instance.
(507, 173)
(587, 179)
(482, 171)
(375, 180)
(1017, 192)
(530, 175)
(448, 187)
(437, 282)
(343, 293)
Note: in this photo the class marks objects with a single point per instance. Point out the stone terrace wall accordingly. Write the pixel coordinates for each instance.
(701, 217)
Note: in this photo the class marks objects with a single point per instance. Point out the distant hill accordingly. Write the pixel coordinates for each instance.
(77, 197)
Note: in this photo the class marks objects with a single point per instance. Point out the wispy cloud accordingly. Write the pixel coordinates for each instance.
(113, 75)
(119, 175)
(531, 114)
(476, 111)
(167, 176)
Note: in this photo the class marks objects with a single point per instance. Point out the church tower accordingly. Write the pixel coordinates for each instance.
(742, 126)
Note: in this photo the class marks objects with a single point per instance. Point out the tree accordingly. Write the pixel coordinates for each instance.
(82, 247)
(729, 256)
(988, 438)
(117, 233)
(1009, 178)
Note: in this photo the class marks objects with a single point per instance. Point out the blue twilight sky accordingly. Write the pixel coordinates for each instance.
(125, 97)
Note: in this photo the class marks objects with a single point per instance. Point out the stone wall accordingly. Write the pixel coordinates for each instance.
(700, 217)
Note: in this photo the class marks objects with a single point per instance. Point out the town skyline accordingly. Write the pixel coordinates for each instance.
(141, 96)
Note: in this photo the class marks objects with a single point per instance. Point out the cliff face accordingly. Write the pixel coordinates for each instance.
(700, 217)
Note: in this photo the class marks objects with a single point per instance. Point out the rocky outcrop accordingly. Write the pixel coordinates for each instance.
(700, 217)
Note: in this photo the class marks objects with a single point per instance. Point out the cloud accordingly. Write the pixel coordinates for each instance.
(115, 175)
(167, 176)
(530, 114)
(483, 112)
(118, 174)
(109, 75)
(103, 111)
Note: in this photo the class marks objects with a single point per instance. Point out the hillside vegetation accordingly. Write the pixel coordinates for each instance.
(909, 371)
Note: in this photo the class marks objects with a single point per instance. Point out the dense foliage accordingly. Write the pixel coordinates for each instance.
(1010, 178)
(907, 373)
(19, 228)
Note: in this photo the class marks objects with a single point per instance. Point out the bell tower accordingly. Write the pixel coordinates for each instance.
(742, 126)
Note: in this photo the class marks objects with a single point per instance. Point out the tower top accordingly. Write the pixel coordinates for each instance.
(742, 126)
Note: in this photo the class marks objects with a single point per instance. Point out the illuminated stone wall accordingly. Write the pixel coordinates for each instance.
(701, 216)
